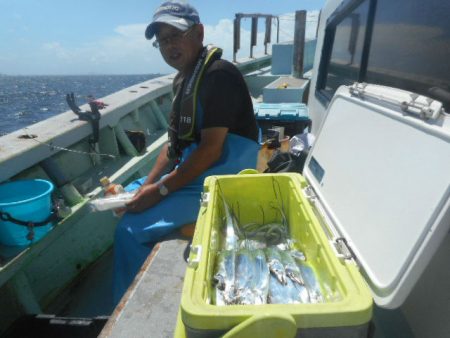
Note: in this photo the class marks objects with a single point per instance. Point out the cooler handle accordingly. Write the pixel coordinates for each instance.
(195, 250)
(270, 326)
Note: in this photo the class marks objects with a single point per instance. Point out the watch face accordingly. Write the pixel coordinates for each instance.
(163, 190)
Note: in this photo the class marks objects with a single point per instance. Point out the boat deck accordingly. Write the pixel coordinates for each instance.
(90, 295)
(152, 301)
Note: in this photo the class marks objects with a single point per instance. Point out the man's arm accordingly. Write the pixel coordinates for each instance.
(208, 152)
(161, 166)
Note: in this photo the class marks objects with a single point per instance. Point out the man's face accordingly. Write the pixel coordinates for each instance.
(180, 49)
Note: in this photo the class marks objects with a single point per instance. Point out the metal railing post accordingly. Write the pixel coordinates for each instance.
(254, 31)
(299, 43)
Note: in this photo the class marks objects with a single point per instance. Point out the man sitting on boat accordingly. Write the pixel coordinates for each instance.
(212, 131)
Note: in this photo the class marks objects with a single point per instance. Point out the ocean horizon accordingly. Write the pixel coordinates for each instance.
(27, 99)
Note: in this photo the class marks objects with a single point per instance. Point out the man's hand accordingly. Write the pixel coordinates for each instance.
(147, 196)
(208, 152)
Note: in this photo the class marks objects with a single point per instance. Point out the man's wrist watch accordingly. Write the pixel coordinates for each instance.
(163, 191)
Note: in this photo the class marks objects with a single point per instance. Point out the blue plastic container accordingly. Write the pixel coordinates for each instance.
(25, 200)
(294, 117)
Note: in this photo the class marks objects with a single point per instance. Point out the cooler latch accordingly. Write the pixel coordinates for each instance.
(196, 252)
(309, 193)
(204, 199)
(319, 212)
(342, 249)
(338, 244)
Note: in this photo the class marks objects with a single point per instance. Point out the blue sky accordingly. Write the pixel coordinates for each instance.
(107, 36)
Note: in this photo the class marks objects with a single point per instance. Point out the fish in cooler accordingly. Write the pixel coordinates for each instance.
(224, 277)
(244, 279)
(291, 269)
(276, 268)
(311, 283)
(261, 277)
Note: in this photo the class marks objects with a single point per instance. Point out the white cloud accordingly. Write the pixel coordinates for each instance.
(57, 50)
(133, 31)
(221, 35)
(127, 51)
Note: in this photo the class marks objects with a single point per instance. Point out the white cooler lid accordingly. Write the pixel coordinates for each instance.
(383, 177)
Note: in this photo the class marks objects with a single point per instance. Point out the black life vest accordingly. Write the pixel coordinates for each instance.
(185, 105)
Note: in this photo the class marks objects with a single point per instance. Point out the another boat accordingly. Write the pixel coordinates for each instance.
(401, 45)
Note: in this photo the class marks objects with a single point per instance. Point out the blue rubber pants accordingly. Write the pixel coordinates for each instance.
(137, 233)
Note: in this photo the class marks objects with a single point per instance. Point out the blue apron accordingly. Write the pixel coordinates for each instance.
(137, 233)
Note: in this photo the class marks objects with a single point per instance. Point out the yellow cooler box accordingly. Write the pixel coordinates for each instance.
(346, 304)
(360, 227)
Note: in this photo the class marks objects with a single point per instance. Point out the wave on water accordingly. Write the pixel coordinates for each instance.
(25, 100)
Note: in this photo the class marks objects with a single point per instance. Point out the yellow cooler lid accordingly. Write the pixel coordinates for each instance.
(380, 168)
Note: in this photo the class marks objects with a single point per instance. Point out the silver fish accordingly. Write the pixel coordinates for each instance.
(291, 293)
(290, 245)
(251, 244)
(230, 237)
(291, 268)
(298, 255)
(261, 277)
(311, 283)
(274, 263)
(244, 278)
(224, 278)
(277, 292)
(282, 290)
(296, 293)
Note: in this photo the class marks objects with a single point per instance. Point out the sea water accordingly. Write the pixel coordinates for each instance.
(25, 100)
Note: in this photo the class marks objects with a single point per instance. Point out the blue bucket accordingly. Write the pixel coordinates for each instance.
(25, 200)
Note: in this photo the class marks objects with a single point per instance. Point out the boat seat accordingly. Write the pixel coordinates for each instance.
(151, 303)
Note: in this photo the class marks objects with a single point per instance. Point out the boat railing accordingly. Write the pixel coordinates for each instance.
(27, 147)
(254, 31)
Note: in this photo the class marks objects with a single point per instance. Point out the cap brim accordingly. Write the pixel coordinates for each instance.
(174, 21)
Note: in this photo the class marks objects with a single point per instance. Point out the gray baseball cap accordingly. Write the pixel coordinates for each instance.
(179, 15)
